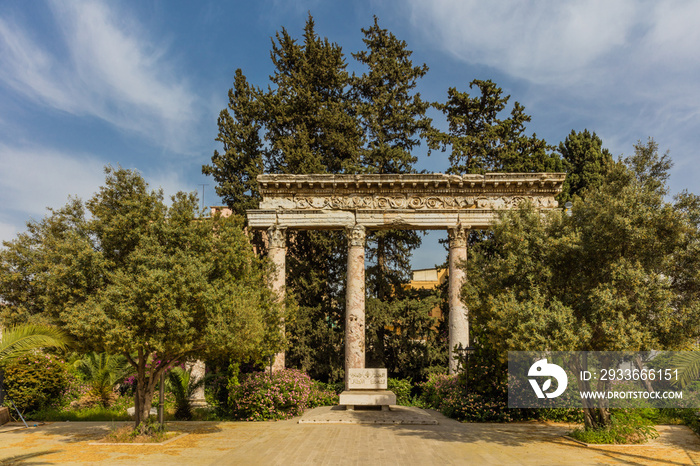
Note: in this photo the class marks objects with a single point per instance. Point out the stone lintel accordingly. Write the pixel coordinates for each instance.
(372, 219)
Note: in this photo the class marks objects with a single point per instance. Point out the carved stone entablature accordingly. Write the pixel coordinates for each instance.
(356, 236)
(409, 192)
(411, 201)
(458, 236)
(276, 237)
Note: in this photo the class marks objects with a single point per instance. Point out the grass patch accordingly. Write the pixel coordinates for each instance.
(628, 427)
(96, 413)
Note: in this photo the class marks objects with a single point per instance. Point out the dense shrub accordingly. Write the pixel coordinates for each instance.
(402, 390)
(281, 395)
(36, 381)
(449, 395)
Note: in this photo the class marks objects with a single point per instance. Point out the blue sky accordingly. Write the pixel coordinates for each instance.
(89, 83)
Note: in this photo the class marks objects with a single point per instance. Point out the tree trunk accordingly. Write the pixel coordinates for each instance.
(596, 414)
(145, 388)
(638, 364)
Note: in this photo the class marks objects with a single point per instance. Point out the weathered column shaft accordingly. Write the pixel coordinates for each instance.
(355, 301)
(277, 252)
(459, 319)
(197, 372)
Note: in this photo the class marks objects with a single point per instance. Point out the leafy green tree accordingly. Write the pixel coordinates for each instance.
(606, 278)
(311, 128)
(413, 348)
(153, 283)
(481, 141)
(688, 365)
(586, 163)
(392, 113)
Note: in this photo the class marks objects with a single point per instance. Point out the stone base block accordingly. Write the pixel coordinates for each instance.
(200, 403)
(352, 398)
(4, 415)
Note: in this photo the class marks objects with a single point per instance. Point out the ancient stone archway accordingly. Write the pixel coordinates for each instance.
(357, 203)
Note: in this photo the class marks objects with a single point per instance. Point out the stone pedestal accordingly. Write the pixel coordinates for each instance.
(355, 302)
(366, 387)
(277, 246)
(458, 322)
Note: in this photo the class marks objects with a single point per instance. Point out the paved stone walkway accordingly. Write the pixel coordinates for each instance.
(291, 443)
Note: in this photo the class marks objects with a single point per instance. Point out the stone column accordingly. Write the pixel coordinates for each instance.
(197, 372)
(277, 251)
(459, 320)
(355, 301)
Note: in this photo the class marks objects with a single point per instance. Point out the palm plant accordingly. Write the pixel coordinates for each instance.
(17, 341)
(182, 385)
(688, 365)
(102, 372)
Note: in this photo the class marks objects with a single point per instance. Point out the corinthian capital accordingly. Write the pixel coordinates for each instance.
(356, 236)
(276, 237)
(458, 236)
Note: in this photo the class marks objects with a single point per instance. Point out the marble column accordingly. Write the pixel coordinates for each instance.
(459, 319)
(197, 372)
(355, 301)
(277, 252)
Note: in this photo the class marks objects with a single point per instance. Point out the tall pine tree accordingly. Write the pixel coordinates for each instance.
(393, 118)
(586, 163)
(304, 123)
(481, 140)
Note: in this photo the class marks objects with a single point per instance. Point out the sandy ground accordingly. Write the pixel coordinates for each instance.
(291, 442)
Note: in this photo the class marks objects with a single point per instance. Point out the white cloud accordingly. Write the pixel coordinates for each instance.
(540, 41)
(36, 178)
(566, 43)
(626, 69)
(113, 71)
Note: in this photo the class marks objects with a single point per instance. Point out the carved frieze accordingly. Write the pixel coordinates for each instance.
(404, 202)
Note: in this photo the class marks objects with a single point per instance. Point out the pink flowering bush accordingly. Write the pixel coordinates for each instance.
(281, 395)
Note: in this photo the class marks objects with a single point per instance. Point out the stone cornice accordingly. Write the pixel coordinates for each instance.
(411, 183)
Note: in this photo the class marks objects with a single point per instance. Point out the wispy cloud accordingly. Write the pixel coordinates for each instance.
(35, 178)
(628, 67)
(113, 71)
(561, 42)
